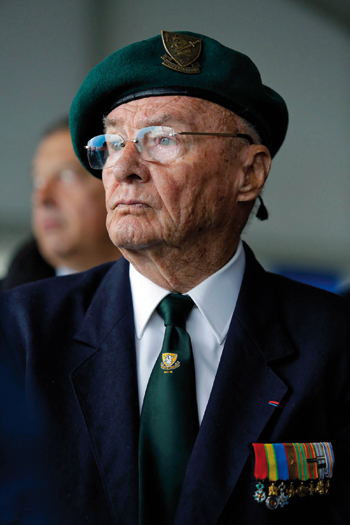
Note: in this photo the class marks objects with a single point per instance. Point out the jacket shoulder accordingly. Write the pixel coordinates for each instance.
(44, 304)
(305, 298)
(304, 314)
(275, 293)
(26, 266)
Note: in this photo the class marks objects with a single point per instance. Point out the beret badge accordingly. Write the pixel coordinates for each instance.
(183, 51)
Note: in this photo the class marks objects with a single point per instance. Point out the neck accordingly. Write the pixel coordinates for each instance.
(179, 269)
(79, 262)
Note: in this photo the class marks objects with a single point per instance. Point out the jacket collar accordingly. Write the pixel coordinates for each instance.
(111, 412)
(256, 309)
(105, 310)
(260, 311)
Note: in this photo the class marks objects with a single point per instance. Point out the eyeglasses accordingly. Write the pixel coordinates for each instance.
(156, 143)
(66, 176)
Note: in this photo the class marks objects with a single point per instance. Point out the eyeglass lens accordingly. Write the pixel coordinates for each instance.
(158, 143)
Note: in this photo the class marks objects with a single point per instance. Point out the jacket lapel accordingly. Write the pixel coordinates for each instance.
(238, 408)
(237, 412)
(106, 389)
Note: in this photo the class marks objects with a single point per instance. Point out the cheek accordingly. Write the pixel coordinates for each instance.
(108, 192)
(212, 196)
(88, 211)
(109, 184)
(169, 191)
(180, 190)
(221, 198)
(36, 222)
(111, 190)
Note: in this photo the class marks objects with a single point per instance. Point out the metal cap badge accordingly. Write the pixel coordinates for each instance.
(183, 51)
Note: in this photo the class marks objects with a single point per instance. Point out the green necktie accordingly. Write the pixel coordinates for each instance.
(169, 417)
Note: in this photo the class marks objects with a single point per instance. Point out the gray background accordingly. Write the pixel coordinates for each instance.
(302, 49)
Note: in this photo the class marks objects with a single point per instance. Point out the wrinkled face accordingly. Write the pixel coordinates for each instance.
(190, 199)
(69, 214)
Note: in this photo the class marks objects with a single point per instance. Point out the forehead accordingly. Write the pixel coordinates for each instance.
(54, 153)
(168, 110)
(57, 145)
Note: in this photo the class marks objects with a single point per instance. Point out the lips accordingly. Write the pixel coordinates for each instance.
(129, 203)
(48, 221)
(51, 224)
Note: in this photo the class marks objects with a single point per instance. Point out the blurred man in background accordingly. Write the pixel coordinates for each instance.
(68, 215)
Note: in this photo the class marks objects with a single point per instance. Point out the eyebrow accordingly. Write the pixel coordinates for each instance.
(159, 119)
(110, 122)
(70, 165)
(144, 123)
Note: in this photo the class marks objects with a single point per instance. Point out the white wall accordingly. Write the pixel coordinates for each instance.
(47, 48)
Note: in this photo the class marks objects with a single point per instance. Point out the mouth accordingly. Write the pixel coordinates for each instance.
(136, 204)
(51, 224)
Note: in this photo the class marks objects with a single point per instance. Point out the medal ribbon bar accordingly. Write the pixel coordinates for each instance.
(289, 462)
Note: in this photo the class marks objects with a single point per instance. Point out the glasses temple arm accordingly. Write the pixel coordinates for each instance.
(241, 135)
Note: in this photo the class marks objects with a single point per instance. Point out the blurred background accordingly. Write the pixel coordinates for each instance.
(302, 50)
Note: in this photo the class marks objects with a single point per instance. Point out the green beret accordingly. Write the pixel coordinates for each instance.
(181, 63)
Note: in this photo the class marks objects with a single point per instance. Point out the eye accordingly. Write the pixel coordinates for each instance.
(67, 175)
(115, 146)
(166, 141)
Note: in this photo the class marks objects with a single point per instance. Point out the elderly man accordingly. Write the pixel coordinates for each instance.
(68, 215)
(190, 386)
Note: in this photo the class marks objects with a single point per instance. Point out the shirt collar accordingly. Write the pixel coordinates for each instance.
(146, 295)
(216, 297)
(64, 270)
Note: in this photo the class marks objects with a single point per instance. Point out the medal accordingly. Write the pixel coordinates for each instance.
(312, 489)
(259, 494)
(329, 456)
(260, 471)
(307, 468)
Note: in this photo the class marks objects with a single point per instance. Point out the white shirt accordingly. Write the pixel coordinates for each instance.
(64, 270)
(208, 323)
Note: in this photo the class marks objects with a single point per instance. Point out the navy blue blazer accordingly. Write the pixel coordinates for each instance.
(27, 266)
(72, 341)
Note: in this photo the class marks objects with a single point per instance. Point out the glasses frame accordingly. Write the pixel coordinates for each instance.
(199, 133)
(233, 135)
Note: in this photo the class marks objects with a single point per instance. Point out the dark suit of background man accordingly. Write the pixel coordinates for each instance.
(68, 215)
(176, 206)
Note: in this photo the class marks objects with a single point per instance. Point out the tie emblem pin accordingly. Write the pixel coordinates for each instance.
(169, 362)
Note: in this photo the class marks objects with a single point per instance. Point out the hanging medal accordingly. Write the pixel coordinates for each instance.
(311, 458)
(329, 456)
(308, 467)
(292, 467)
(283, 472)
(321, 464)
(272, 500)
(260, 471)
(302, 470)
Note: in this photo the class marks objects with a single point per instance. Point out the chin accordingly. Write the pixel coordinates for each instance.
(132, 236)
(133, 244)
(56, 252)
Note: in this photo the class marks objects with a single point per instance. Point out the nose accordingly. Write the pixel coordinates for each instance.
(44, 192)
(130, 167)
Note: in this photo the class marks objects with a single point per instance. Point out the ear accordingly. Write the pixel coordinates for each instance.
(256, 166)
